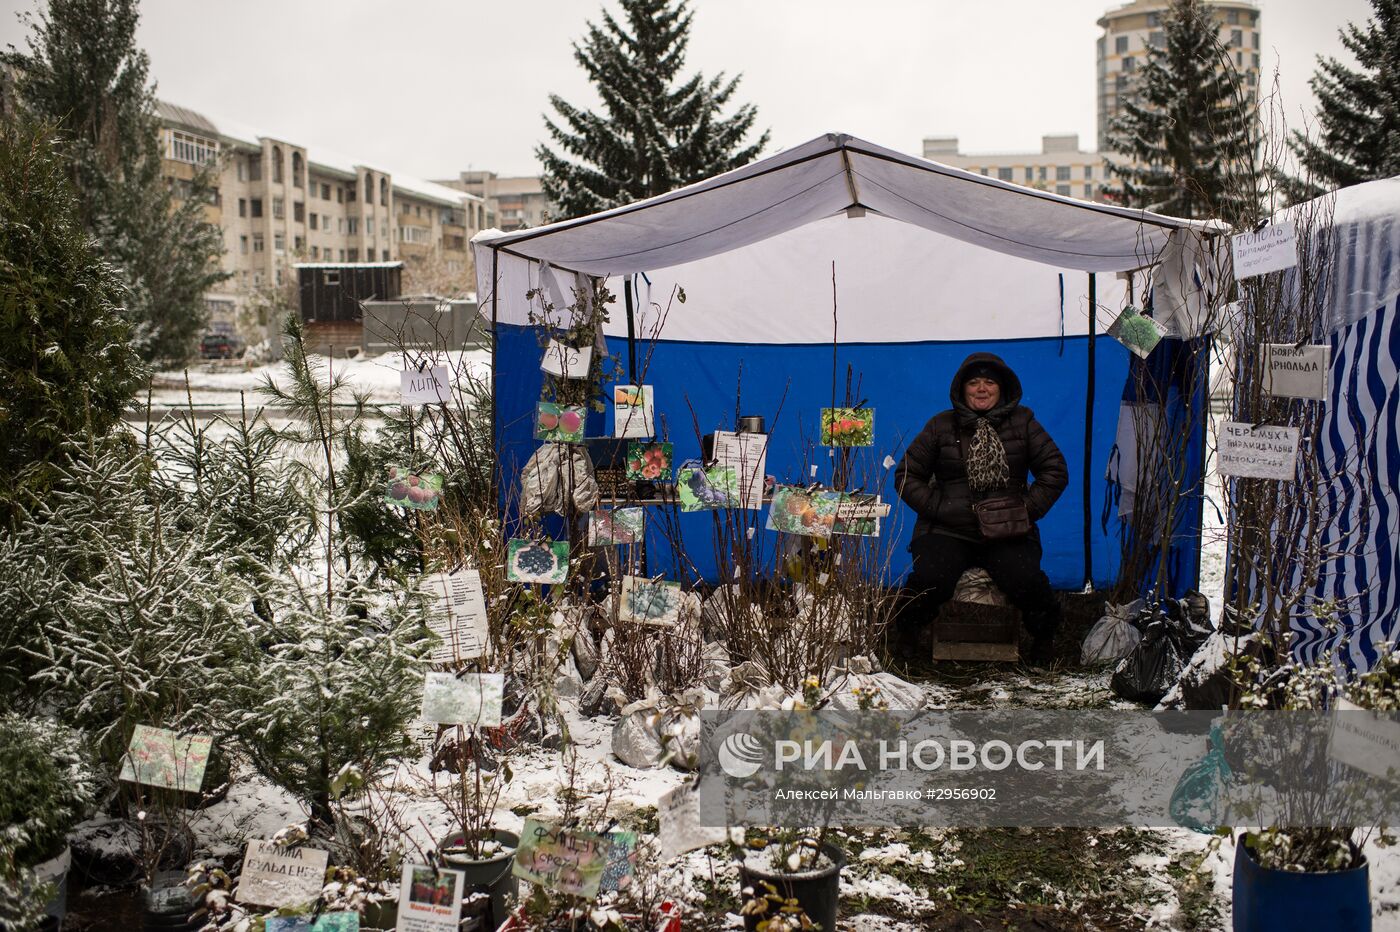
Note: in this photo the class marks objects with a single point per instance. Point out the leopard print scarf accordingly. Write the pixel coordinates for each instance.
(987, 470)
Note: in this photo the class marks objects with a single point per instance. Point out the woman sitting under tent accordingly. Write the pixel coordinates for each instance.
(965, 476)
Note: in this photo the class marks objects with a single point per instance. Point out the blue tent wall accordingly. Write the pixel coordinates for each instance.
(906, 383)
(1175, 379)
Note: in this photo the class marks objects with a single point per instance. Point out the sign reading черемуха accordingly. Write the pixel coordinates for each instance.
(1263, 452)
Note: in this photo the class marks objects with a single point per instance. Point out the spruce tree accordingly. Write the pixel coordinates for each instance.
(64, 358)
(653, 135)
(1358, 111)
(1186, 135)
(84, 73)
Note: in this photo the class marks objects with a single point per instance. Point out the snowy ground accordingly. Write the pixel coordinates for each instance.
(900, 879)
(217, 385)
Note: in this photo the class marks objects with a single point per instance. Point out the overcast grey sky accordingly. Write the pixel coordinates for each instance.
(432, 87)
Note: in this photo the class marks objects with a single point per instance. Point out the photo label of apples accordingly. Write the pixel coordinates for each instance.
(411, 490)
(848, 427)
(649, 461)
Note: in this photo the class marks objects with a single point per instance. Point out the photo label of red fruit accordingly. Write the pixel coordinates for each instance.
(559, 423)
(848, 427)
(411, 490)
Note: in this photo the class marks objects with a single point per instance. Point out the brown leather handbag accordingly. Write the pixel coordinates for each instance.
(1002, 516)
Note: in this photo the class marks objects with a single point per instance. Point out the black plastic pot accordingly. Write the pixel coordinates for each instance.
(817, 892)
(55, 871)
(169, 904)
(380, 915)
(491, 876)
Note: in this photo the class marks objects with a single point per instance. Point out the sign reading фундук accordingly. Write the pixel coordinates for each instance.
(1026, 767)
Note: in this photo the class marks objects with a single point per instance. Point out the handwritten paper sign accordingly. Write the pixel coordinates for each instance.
(570, 862)
(471, 699)
(1263, 452)
(565, 362)
(1366, 740)
(429, 387)
(159, 757)
(457, 615)
(430, 900)
(680, 830)
(1273, 248)
(748, 454)
(634, 411)
(1297, 371)
(274, 876)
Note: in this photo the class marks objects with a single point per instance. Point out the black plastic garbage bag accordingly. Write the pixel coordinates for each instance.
(1152, 668)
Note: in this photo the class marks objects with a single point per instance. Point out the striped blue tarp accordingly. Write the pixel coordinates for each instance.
(1350, 612)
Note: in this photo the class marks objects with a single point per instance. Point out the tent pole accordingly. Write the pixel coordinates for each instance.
(631, 330)
(1089, 435)
(495, 380)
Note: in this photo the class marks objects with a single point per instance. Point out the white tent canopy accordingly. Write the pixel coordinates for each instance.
(939, 253)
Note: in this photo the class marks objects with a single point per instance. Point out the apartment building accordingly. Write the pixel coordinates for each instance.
(1130, 30)
(1060, 165)
(515, 202)
(279, 202)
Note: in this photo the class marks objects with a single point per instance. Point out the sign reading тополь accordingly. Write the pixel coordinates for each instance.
(1270, 250)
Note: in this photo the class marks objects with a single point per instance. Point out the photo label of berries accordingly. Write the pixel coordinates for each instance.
(559, 423)
(410, 490)
(537, 561)
(650, 601)
(649, 461)
(848, 427)
(707, 489)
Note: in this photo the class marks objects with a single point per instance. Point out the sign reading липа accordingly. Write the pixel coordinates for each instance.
(1263, 452)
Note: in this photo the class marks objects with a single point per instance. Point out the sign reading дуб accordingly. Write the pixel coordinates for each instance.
(1263, 452)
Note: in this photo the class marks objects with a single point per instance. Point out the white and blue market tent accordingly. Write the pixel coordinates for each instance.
(1354, 602)
(908, 264)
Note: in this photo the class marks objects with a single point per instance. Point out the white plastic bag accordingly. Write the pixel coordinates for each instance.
(1112, 637)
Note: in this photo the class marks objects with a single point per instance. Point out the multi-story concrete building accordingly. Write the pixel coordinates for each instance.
(516, 203)
(1060, 165)
(279, 202)
(1130, 30)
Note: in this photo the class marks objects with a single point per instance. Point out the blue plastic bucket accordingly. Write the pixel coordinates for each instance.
(1269, 900)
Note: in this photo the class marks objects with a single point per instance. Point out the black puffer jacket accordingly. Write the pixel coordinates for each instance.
(932, 479)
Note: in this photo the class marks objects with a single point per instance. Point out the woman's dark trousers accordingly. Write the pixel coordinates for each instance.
(1013, 564)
